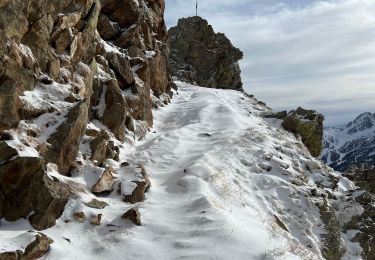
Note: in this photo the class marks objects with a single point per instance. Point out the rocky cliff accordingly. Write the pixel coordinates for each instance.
(78, 78)
(199, 55)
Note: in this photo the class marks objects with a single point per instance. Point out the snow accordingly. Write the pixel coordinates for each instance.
(109, 47)
(44, 97)
(15, 236)
(150, 54)
(220, 173)
(22, 149)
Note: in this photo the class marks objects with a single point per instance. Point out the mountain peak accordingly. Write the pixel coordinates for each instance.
(363, 122)
(353, 143)
(200, 56)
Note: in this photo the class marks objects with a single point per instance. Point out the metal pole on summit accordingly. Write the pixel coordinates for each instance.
(196, 7)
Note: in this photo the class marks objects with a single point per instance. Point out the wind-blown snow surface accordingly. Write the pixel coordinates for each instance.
(223, 182)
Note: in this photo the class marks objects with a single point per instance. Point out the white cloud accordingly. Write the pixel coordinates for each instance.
(317, 54)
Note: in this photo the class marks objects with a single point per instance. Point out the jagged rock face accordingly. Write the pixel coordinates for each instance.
(306, 123)
(66, 65)
(351, 144)
(200, 55)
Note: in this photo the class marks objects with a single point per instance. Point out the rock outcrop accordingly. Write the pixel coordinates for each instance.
(73, 73)
(306, 123)
(199, 55)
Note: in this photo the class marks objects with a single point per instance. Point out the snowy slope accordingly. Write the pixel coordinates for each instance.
(353, 143)
(226, 184)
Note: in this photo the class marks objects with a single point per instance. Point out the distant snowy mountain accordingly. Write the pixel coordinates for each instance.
(350, 144)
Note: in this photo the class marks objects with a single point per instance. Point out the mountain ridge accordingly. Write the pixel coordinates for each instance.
(353, 143)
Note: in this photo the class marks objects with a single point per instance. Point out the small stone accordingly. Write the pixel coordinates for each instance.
(133, 215)
(96, 220)
(79, 216)
(96, 204)
(46, 80)
(125, 164)
(105, 183)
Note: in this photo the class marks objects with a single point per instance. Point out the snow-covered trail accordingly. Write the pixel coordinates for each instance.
(184, 215)
(196, 208)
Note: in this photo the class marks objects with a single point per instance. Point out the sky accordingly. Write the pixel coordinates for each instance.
(318, 54)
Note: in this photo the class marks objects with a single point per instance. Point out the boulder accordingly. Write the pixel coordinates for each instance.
(159, 77)
(113, 151)
(199, 55)
(38, 248)
(133, 215)
(105, 184)
(119, 63)
(27, 189)
(64, 143)
(138, 195)
(143, 185)
(98, 150)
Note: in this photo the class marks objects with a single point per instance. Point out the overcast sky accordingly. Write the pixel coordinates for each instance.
(311, 53)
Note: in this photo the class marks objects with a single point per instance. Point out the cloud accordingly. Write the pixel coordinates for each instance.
(299, 53)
